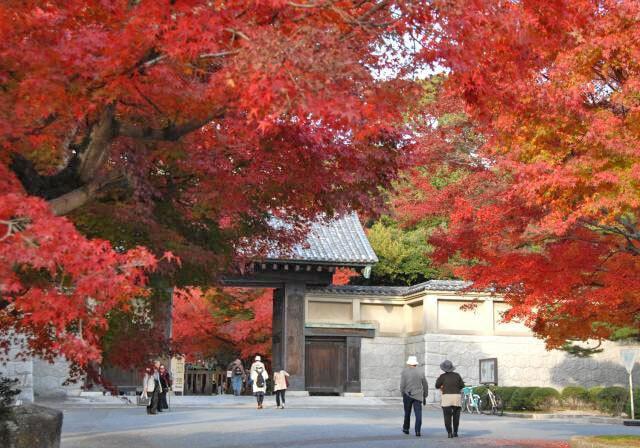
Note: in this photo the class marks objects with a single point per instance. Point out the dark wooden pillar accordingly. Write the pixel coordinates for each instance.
(288, 332)
(353, 364)
(277, 341)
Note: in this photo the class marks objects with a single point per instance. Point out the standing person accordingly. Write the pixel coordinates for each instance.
(414, 389)
(155, 398)
(280, 384)
(149, 390)
(237, 376)
(248, 383)
(259, 378)
(450, 383)
(165, 386)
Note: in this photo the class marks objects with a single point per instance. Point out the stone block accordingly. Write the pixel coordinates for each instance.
(30, 426)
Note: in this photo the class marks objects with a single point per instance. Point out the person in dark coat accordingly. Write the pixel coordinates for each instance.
(414, 389)
(155, 397)
(450, 383)
(165, 386)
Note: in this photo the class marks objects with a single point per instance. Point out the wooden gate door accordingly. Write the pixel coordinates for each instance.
(325, 364)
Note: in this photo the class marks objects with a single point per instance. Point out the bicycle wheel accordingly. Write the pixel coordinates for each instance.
(499, 408)
(477, 404)
(485, 401)
(468, 404)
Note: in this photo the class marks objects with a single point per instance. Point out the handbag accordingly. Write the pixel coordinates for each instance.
(143, 401)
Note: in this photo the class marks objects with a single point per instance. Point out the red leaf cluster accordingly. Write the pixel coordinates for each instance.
(548, 209)
(57, 288)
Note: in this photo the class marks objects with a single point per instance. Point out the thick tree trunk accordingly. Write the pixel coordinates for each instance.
(83, 180)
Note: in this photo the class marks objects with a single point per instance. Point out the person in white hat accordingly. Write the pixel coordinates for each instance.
(259, 377)
(414, 389)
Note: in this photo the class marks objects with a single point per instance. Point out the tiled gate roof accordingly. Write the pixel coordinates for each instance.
(341, 241)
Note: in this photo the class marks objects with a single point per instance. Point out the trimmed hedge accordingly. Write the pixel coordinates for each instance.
(575, 396)
(593, 393)
(544, 398)
(611, 400)
(521, 399)
(506, 393)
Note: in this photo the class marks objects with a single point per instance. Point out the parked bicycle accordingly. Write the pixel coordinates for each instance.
(471, 401)
(491, 403)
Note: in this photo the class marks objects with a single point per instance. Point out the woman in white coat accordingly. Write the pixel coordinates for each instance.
(150, 391)
(280, 384)
(259, 378)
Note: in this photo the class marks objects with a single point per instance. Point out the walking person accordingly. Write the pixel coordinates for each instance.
(450, 383)
(150, 391)
(280, 384)
(414, 389)
(237, 376)
(259, 378)
(155, 397)
(165, 387)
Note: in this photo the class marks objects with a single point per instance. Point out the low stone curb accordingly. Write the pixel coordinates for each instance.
(587, 418)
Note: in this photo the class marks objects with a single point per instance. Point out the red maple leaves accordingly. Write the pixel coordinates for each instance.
(57, 288)
(544, 205)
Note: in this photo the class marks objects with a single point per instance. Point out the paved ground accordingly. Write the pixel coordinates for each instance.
(304, 426)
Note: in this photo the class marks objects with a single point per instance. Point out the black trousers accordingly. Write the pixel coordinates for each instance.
(162, 403)
(417, 410)
(280, 395)
(260, 397)
(451, 415)
(153, 403)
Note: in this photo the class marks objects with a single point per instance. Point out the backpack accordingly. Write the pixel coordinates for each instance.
(237, 370)
(260, 378)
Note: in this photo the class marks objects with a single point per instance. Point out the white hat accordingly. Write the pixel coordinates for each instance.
(412, 361)
(258, 358)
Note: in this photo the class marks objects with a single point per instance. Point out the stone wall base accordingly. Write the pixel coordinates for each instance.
(522, 361)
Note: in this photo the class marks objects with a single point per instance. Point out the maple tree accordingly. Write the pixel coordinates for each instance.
(57, 288)
(182, 126)
(545, 205)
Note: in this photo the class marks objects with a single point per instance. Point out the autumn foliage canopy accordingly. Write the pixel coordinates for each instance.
(181, 126)
(539, 133)
(186, 126)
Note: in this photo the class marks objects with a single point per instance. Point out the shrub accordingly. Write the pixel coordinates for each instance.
(506, 393)
(480, 390)
(543, 398)
(574, 396)
(593, 394)
(612, 400)
(521, 398)
(636, 403)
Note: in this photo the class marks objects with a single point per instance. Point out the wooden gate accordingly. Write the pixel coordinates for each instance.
(198, 381)
(325, 364)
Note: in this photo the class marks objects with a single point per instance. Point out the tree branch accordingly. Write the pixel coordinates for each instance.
(74, 199)
(93, 158)
(168, 133)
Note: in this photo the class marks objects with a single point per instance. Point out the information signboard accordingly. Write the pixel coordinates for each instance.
(177, 374)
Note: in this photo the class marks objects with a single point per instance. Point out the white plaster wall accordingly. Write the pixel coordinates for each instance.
(333, 312)
(390, 318)
(48, 379)
(523, 361)
(23, 371)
